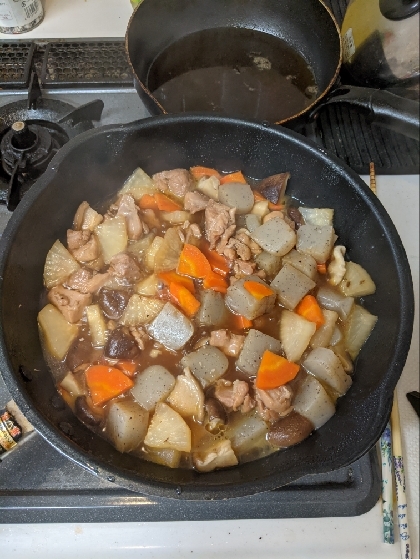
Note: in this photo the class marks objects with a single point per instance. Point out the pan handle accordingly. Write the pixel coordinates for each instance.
(379, 106)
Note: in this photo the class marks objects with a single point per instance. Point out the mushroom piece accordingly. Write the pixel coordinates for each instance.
(337, 266)
(85, 412)
(216, 416)
(290, 430)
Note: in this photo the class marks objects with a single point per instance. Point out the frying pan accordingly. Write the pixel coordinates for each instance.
(308, 27)
(92, 167)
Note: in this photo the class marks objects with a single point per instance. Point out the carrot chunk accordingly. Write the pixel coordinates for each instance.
(322, 268)
(166, 204)
(172, 276)
(127, 367)
(240, 322)
(215, 282)
(258, 197)
(105, 383)
(233, 177)
(309, 309)
(258, 290)
(192, 262)
(199, 172)
(184, 299)
(218, 262)
(148, 202)
(274, 371)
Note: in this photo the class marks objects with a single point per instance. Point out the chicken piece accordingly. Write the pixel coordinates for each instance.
(177, 181)
(128, 209)
(83, 245)
(76, 239)
(150, 218)
(337, 266)
(230, 344)
(140, 336)
(242, 269)
(195, 202)
(69, 302)
(275, 403)
(192, 233)
(86, 281)
(219, 224)
(220, 455)
(242, 250)
(125, 267)
(232, 395)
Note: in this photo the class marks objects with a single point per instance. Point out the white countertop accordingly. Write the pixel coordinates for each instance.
(323, 538)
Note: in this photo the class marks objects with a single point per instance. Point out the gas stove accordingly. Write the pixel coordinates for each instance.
(43, 106)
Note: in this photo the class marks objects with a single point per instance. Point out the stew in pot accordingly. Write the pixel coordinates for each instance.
(203, 319)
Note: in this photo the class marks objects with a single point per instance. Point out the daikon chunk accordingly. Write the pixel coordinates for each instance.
(322, 336)
(164, 456)
(356, 281)
(112, 236)
(168, 430)
(171, 328)
(295, 334)
(141, 310)
(187, 396)
(59, 265)
(97, 325)
(317, 216)
(357, 330)
(138, 184)
(58, 333)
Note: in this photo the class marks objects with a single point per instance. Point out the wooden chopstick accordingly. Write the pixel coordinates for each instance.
(392, 434)
(400, 481)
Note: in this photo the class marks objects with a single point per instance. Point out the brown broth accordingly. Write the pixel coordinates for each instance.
(234, 72)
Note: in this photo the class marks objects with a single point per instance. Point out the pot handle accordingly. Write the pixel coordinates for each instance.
(379, 106)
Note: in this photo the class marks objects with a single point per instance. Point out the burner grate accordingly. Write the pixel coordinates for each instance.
(15, 63)
(85, 64)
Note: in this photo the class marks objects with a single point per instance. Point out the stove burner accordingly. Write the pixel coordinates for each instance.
(26, 149)
(31, 132)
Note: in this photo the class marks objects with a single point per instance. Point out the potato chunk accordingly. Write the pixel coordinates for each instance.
(316, 240)
(291, 286)
(313, 402)
(240, 301)
(126, 424)
(252, 351)
(295, 334)
(168, 430)
(356, 281)
(151, 386)
(207, 364)
(187, 397)
(275, 236)
(171, 328)
(324, 364)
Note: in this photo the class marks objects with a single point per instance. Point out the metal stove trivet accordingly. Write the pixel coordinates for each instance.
(37, 484)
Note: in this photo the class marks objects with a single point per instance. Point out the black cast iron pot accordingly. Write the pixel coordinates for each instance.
(93, 167)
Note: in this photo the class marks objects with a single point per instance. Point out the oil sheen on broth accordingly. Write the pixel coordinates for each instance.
(234, 72)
